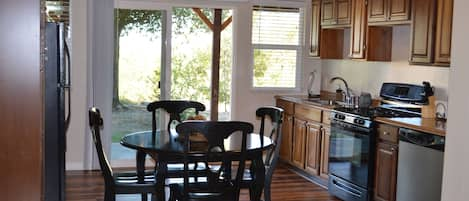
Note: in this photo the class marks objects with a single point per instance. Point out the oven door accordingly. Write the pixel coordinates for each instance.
(349, 153)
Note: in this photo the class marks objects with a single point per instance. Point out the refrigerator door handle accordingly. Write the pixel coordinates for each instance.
(66, 86)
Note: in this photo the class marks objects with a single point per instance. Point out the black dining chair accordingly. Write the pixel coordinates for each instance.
(271, 157)
(216, 187)
(122, 182)
(175, 109)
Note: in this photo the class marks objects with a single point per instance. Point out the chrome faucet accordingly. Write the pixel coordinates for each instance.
(347, 90)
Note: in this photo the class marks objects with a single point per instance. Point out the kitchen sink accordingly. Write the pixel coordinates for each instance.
(318, 101)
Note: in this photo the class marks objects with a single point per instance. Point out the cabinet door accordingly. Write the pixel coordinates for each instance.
(315, 28)
(328, 12)
(313, 148)
(423, 20)
(398, 10)
(299, 131)
(286, 145)
(385, 172)
(343, 8)
(325, 140)
(377, 10)
(358, 31)
(444, 22)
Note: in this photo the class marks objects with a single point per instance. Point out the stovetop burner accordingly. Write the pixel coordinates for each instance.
(377, 112)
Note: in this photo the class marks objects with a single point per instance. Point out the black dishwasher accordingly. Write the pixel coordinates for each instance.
(420, 166)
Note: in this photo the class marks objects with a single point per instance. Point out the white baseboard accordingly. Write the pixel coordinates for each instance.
(74, 166)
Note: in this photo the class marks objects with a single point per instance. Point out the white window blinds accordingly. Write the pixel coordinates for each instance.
(276, 47)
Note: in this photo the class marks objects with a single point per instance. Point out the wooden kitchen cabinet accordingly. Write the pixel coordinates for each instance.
(373, 43)
(444, 25)
(335, 13)
(286, 145)
(422, 31)
(287, 129)
(382, 12)
(386, 163)
(313, 148)
(315, 31)
(324, 163)
(385, 172)
(298, 153)
(305, 140)
(431, 32)
(358, 30)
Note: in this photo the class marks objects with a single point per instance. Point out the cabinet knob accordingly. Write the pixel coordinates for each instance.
(386, 133)
(393, 149)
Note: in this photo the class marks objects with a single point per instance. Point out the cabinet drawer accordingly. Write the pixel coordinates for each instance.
(287, 106)
(326, 117)
(388, 133)
(308, 112)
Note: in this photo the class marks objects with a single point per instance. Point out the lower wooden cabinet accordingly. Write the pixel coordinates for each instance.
(298, 153)
(305, 138)
(313, 148)
(385, 172)
(286, 144)
(325, 140)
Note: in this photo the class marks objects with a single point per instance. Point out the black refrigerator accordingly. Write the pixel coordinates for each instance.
(56, 109)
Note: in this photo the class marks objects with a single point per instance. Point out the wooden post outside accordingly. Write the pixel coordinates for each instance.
(217, 28)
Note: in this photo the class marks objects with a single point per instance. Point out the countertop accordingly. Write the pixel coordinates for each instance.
(428, 125)
(303, 99)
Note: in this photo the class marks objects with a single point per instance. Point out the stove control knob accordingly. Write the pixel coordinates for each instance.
(341, 117)
(359, 121)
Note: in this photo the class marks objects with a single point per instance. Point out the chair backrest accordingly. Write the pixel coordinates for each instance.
(96, 123)
(276, 116)
(174, 108)
(216, 132)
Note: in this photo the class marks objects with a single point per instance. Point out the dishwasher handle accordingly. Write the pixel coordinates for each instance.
(422, 139)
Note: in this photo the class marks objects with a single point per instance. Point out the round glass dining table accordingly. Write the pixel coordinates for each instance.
(163, 146)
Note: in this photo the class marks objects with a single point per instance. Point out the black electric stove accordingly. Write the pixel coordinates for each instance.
(352, 142)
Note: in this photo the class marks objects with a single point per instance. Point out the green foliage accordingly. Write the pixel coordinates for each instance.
(142, 20)
(261, 60)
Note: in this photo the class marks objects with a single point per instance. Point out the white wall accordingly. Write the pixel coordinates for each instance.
(368, 76)
(75, 155)
(246, 99)
(456, 174)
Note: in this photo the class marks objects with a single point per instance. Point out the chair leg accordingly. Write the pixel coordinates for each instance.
(267, 190)
(153, 197)
(109, 195)
(144, 197)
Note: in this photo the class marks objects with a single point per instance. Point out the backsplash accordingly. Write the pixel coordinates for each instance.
(368, 76)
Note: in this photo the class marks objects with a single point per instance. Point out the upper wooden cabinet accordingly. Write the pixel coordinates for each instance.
(335, 13)
(444, 24)
(388, 11)
(358, 30)
(431, 32)
(315, 28)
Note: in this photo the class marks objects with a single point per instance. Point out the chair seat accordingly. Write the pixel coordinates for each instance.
(202, 191)
(127, 182)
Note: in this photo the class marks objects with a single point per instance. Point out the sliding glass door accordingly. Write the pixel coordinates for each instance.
(165, 54)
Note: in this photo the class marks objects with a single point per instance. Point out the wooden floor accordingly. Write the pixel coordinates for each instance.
(286, 186)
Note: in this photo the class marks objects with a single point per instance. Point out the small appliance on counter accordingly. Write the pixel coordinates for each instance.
(311, 92)
(353, 133)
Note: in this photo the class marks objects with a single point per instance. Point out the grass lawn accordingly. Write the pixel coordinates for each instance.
(133, 118)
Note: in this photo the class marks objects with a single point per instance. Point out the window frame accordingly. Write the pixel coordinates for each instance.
(299, 52)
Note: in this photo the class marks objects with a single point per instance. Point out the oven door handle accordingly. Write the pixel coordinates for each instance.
(346, 188)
